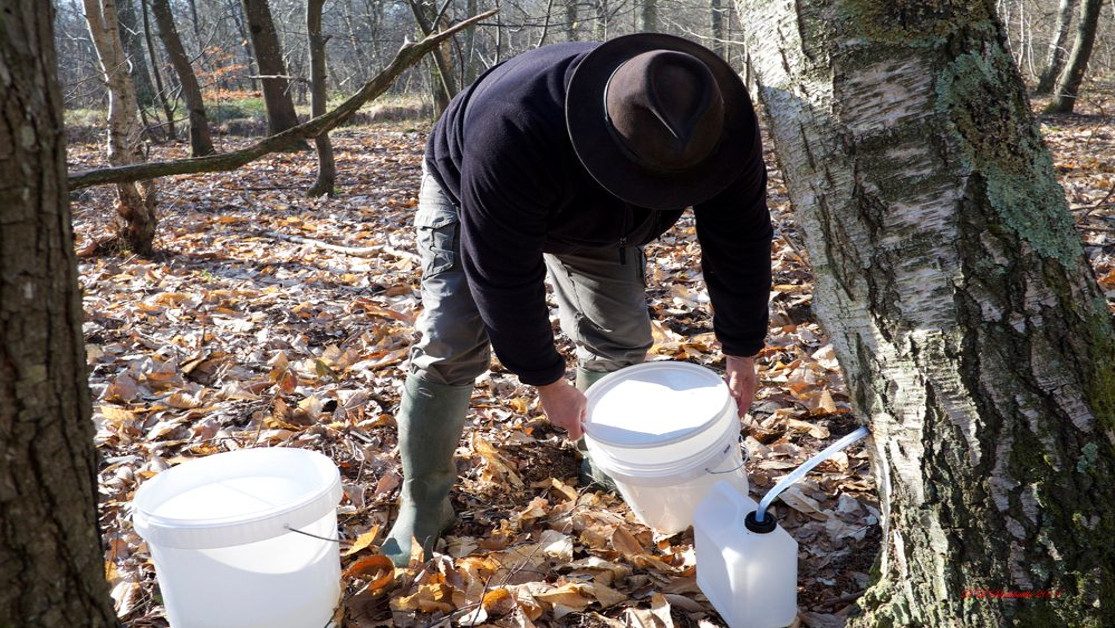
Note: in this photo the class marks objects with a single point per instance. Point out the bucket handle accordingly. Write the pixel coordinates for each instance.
(322, 538)
(743, 449)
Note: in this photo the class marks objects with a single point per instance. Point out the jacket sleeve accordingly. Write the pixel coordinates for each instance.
(505, 198)
(735, 232)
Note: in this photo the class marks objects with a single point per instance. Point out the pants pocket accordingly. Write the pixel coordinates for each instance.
(436, 236)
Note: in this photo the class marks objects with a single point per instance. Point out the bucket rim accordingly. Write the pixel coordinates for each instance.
(720, 448)
(206, 533)
(598, 389)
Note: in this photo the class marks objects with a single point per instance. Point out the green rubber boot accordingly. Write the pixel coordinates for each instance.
(431, 418)
(590, 475)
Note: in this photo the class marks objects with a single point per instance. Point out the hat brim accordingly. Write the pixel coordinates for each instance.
(610, 165)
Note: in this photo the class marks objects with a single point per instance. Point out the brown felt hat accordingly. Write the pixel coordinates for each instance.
(659, 121)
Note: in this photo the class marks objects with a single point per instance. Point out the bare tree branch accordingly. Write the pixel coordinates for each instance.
(407, 56)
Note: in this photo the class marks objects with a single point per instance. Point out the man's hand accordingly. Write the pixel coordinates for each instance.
(742, 381)
(565, 406)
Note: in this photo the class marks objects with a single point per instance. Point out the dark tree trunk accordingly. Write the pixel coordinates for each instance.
(272, 71)
(650, 16)
(357, 48)
(193, 19)
(600, 24)
(1068, 85)
(967, 320)
(471, 66)
(571, 20)
(545, 24)
(326, 168)
(374, 14)
(443, 83)
(1057, 53)
(51, 558)
(131, 35)
(161, 91)
(236, 10)
(200, 142)
(716, 14)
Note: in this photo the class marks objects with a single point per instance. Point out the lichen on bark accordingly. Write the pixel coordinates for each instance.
(918, 23)
(973, 91)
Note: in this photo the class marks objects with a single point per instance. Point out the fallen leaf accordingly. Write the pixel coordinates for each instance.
(499, 602)
(363, 541)
(826, 403)
(429, 598)
(123, 388)
(377, 570)
(387, 482)
(557, 545)
(572, 595)
(116, 414)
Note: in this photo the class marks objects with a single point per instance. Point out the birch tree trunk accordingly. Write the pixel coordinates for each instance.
(51, 558)
(135, 202)
(326, 168)
(1068, 85)
(968, 322)
(200, 142)
(1057, 53)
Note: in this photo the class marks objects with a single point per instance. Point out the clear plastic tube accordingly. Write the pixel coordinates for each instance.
(806, 467)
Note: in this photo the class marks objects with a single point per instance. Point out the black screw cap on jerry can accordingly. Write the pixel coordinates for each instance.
(765, 526)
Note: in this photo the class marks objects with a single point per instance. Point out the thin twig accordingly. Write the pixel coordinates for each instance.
(440, 13)
(357, 251)
(1102, 203)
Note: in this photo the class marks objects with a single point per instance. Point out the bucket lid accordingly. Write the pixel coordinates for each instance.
(655, 404)
(236, 498)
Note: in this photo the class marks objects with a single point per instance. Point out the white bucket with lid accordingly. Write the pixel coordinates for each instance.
(233, 538)
(665, 432)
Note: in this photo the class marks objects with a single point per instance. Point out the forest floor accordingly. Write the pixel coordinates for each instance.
(243, 331)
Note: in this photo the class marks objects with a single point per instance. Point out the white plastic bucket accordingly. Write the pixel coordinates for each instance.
(665, 432)
(220, 533)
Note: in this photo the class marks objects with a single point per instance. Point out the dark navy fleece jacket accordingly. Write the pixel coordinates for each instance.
(502, 151)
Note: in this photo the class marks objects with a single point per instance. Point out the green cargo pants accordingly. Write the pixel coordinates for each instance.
(601, 301)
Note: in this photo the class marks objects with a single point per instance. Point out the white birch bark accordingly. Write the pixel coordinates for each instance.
(968, 323)
(135, 202)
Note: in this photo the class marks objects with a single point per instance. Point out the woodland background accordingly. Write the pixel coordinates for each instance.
(265, 316)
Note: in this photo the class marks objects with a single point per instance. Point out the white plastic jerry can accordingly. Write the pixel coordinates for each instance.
(747, 569)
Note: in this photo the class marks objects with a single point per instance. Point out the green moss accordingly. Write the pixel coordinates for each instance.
(1101, 383)
(878, 605)
(979, 94)
(1068, 513)
(1088, 454)
(875, 601)
(917, 23)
